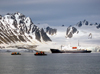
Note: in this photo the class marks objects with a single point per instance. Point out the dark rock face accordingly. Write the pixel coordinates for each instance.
(44, 36)
(98, 26)
(91, 24)
(0, 16)
(86, 23)
(10, 36)
(74, 30)
(38, 36)
(51, 31)
(70, 31)
(18, 28)
(79, 24)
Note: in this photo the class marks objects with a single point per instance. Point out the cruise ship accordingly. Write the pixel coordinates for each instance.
(70, 50)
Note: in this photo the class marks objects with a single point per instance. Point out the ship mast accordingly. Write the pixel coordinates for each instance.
(61, 47)
(78, 43)
(79, 46)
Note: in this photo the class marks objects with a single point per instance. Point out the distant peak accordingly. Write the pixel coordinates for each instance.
(79, 24)
(84, 20)
(0, 16)
(18, 13)
(96, 23)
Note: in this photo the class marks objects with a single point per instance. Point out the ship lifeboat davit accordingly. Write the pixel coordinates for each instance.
(40, 53)
(15, 53)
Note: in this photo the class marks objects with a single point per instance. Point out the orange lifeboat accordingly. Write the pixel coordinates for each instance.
(74, 47)
(40, 53)
(15, 53)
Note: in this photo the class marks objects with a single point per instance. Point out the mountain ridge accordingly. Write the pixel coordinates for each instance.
(19, 28)
(74, 29)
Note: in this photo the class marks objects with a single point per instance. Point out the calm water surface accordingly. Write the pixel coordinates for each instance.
(27, 63)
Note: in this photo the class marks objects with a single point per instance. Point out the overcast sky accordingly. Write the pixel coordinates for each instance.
(54, 12)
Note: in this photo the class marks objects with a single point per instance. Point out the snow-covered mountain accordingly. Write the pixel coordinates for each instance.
(86, 33)
(82, 27)
(82, 23)
(48, 29)
(19, 28)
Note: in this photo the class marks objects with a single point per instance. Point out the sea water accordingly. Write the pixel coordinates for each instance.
(28, 63)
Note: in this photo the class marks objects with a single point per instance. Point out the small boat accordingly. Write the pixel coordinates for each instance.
(41, 53)
(15, 53)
